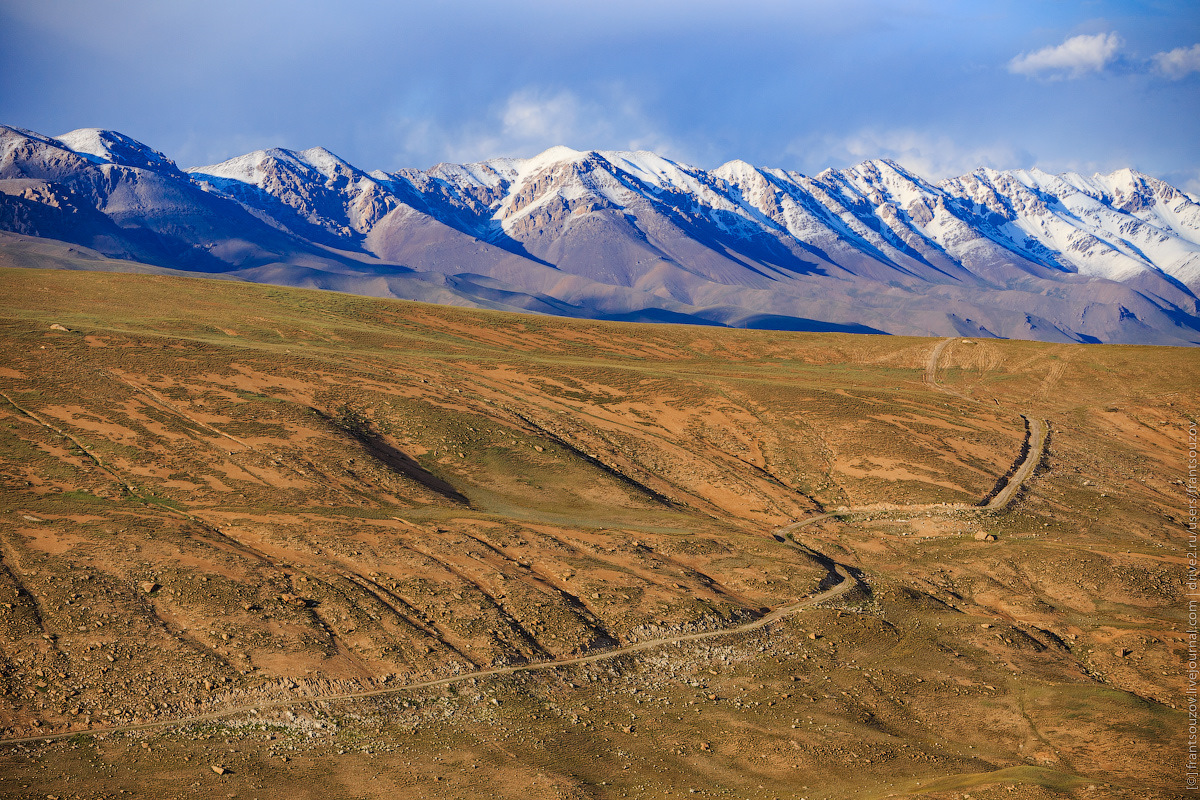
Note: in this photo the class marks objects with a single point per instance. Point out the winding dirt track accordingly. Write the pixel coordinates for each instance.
(1036, 442)
(1034, 447)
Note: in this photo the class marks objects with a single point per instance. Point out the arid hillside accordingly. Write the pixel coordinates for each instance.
(336, 546)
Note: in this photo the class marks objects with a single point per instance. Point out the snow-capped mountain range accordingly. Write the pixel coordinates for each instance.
(636, 236)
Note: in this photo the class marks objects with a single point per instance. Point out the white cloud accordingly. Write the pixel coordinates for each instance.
(530, 115)
(533, 119)
(1074, 58)
(1178, 63)
(930, 155)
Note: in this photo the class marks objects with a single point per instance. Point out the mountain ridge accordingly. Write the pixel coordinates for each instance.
(615, 234)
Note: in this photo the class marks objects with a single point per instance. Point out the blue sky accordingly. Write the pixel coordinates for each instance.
(942, 87)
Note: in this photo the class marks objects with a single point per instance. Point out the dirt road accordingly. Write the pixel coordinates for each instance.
(1034, 448)
(1033, 456)
(1034, 444)
(931, 364)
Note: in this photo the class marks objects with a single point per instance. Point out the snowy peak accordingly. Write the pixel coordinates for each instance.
(736, 171)
(326, 163)
(12, 135)
(250, 168)
(115, 148)
(552, 157)
(1114, 226)
(258, 167)
(23, 153)
(884, 169)
(881, 180)
(651, 168)
(755, 192)
(311, 192)
(482, 175)
(1147, 197)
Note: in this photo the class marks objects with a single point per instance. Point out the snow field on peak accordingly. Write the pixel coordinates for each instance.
(484, 174)
(554, 156)
(244, 169)
(1075, 216)
(251, 167)
(325, 162)
(114, 147)
(653, 169)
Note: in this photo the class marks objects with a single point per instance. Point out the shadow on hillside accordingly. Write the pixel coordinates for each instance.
(354, 424)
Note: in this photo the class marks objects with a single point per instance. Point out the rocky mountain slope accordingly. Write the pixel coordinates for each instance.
(635, 236)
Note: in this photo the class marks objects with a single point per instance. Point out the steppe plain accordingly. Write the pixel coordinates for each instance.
(269, 543)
